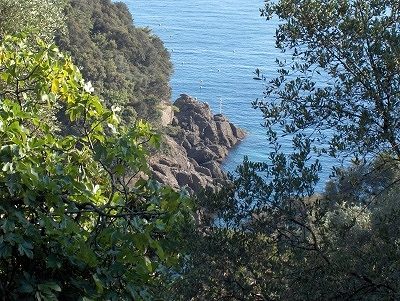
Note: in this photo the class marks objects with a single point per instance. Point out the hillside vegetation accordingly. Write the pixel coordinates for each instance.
(128, 66)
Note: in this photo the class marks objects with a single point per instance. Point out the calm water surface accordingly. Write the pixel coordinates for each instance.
(215, 47)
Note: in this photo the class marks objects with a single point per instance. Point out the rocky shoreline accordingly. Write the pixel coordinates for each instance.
(195, 145)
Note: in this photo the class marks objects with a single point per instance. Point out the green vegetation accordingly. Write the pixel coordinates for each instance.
(353, 46)
(339, 246)
(43, 18)
(127, 66)
(268, 237)
(78, 221)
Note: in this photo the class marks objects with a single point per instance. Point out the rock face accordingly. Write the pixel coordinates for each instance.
(167, 113)
(196, 145)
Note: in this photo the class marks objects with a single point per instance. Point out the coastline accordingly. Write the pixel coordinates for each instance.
(195, 145)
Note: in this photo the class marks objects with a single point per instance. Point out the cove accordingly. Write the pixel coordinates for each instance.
(215, 47)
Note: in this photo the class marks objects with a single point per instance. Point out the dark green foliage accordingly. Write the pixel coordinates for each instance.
(129, 66)
(342, 245)
(359, 182)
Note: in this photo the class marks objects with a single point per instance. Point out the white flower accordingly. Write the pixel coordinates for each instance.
(88, 87)
(115, 108)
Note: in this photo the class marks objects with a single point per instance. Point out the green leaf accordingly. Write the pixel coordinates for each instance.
(5, 250)
(8, 225)
(86, 254)
(148, 264)
(53, 262)
(26, 249)
(55, 86)
(8, 167)
(49, 179)
(49, 286)
(99, 284)
(26, 288)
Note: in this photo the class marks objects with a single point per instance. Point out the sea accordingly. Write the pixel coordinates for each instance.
(216, 47)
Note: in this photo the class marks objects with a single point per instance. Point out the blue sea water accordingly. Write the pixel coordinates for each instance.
(215, 47)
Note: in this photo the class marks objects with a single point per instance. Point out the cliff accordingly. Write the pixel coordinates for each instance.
(195, 146)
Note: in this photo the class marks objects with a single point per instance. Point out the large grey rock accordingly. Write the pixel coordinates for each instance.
(188, 106)
(237, 132)
(160, 168)
(220, 117)
(168, 162)
(166, 179)
(193, 139)
(225, 134)
(186, 144)
(219, 150)
(211, 133)
(203, 170)
(184, 178)
(198, 182)
(215, 169)
(198, 143)
(201, 154)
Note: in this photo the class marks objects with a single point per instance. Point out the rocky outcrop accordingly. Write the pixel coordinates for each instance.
(197, 143)
(167, 113)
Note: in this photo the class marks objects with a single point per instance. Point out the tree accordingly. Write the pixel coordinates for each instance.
(79, 220)
(342, 82)
(128, 66)
(23, 15)
(341, 245)
(338, 95)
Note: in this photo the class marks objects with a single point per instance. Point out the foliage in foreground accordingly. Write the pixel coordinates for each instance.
(42, 17)
(78, 221)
